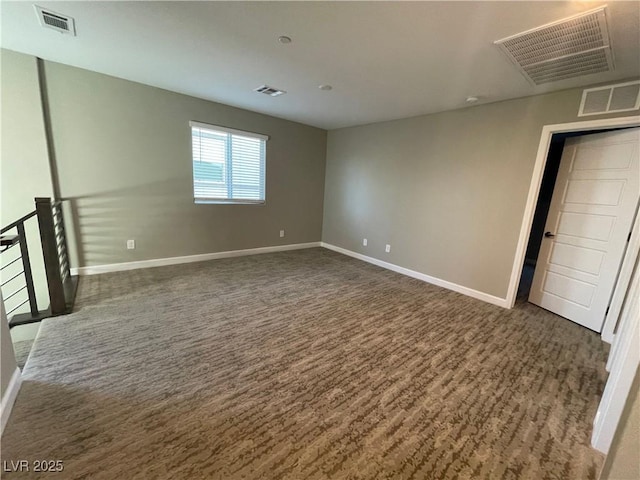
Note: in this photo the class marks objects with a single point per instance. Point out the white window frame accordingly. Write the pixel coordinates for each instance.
(241, 133)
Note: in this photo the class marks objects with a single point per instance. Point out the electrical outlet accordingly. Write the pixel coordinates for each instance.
(281, 233)
(387, 248)
(131, 244)
(364, 242)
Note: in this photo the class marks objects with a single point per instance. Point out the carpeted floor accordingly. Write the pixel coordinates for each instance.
(22, 350)
(304, 365)
(22, 337)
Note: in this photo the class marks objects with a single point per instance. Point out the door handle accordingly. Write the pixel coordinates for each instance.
(549, 234)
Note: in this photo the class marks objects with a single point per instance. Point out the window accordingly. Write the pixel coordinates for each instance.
(228, 165)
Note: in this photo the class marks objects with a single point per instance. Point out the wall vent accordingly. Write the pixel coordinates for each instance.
(571, 47)
(620, 97)
(56, 21)
(267, 90)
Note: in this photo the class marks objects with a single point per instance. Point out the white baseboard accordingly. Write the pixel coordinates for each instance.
(9, 398)
(160, 262)
(485, 297)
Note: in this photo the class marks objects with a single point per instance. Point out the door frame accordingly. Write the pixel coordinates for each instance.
(619, 295)
(624, 359)
(534, 190)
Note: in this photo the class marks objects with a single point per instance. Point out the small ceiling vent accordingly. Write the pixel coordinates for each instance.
(620, 97)
(56, 21)
(267, 90)
(568, 48)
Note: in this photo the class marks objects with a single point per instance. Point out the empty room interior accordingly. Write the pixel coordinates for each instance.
(320, 240)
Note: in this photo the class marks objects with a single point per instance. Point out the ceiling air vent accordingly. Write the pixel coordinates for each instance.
(56, 21)
(568, 48)
(267, 90)
(620, 97)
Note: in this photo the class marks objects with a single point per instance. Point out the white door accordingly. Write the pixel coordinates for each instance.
(590, 217)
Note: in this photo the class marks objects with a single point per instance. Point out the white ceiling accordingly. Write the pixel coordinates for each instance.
(385, 60)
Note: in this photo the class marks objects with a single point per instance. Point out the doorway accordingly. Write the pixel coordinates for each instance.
(547, 187)
(548, 131)
(540, 214)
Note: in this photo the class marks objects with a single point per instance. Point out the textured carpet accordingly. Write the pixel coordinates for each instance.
(304, 365)
(22, 349)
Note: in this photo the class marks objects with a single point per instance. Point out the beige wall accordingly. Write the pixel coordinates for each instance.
(447, 191)
(24, 162)
(623, 461)
(123, 151)
(7, 356)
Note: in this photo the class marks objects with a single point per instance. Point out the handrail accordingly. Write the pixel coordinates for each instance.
(62, 286)
(20, 220)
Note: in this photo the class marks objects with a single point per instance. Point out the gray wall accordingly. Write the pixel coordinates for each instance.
(122, 151)
(623, 460)
(24, 164)
(447, 191)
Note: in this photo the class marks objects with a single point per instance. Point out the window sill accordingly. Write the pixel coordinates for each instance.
(203, 201)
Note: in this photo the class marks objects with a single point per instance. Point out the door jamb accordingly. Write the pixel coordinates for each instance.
(625, 359)
(624, 277)
(536, 180)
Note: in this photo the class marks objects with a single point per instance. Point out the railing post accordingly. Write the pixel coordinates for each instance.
(26, 267)
(57, 300)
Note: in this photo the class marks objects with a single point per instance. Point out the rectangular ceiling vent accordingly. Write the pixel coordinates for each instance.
(571, 47)
(267, 90)
(56, 21)
(621, 97)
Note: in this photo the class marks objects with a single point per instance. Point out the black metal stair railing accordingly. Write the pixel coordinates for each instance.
(60, 283)
(20, 282)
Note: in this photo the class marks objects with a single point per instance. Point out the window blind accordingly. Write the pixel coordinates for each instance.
(228, 164)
